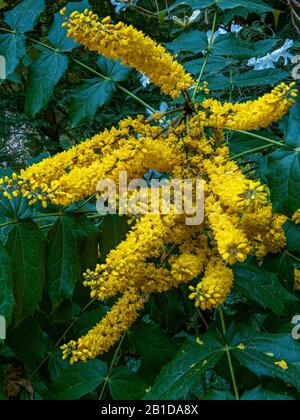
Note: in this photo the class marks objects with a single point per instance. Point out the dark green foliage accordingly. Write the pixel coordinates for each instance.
(57, 94)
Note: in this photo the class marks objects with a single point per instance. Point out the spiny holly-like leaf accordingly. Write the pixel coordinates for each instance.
(264, 288)
(78, 380)
(266, 355)
(24, 16)
(44, 74)
(178, 376)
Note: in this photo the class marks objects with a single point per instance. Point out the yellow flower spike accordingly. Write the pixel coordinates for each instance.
(134, 49)
(108, 331)
(219, 280)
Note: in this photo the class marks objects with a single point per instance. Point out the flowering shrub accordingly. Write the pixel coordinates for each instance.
(174, 311)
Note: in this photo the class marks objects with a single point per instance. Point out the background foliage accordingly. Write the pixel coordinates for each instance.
(55, 95)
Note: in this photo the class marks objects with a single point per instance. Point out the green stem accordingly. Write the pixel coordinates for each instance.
(13, 222)
(30, 39)
(257, 136)
(61, 338)
(227, 350)
(111, 367)
(210, 45)
(292, 256)
(250, 151)
(132, 95)
(97, 73)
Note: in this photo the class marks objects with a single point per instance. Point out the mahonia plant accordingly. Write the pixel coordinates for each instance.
(239, 218)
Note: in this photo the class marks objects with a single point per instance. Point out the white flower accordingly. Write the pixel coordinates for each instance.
(266, 62)
(163, 107)
(211, 38)
(283, 52)
(235, 28)
(145, 81)
(122, 5)
(269, 60)
(195, 16)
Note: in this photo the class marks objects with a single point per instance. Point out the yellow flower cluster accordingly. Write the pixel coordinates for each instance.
(215, 287)
(160, 251)
(132, 47)
(296, 217)
(250, 115)
(135, 146)
(108, 331)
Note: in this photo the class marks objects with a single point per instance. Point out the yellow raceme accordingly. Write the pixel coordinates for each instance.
(160, 252)
(132, 47)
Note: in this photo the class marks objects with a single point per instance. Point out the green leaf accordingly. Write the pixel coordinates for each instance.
(13, 48)
(290, 126)
(63, 259)
(182, 373)
(194, 4)
(292, 233)
(26, 246)
(113, 231)
(78, 380)
(214, 65)
(262, 352)
(7, 300)
(58, 36)
(93, 94)
(44, 74)
(230, 45)
(28, 342)
(193, 41)
(263, 287)
(260, 394)
(88, 320)
(56, 365)
(113, 69)
(25, 15)
(216, 395)
(260, 77)
(258, 6)
(284, 176)
(154, 346)
(126, 385)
